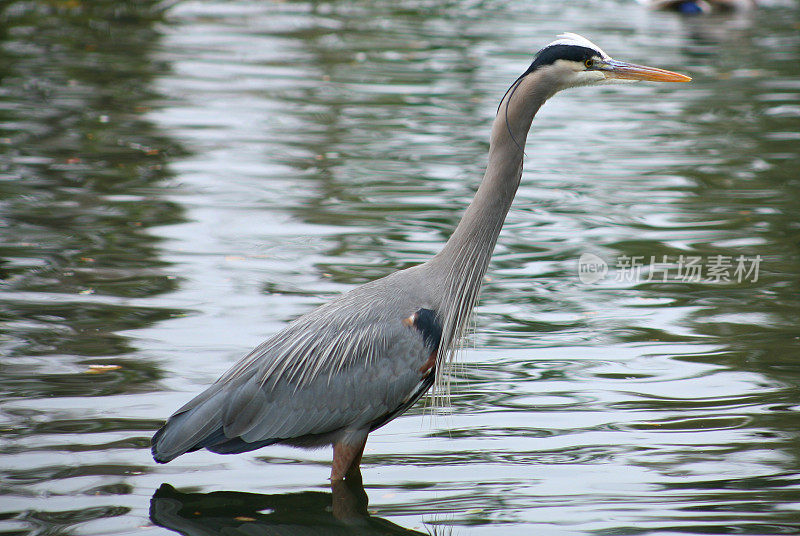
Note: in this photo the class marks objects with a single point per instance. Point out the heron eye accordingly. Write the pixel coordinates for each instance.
(589, 64)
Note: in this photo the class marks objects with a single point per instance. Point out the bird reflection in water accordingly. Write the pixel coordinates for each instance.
(344, 511)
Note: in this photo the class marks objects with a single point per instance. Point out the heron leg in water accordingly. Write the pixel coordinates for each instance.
(349, 500)
(347, 457)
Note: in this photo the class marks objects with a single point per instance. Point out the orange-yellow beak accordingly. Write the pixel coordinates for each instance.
(629, 71)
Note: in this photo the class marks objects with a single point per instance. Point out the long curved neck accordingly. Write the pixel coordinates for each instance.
(473, 240)
(459, 268)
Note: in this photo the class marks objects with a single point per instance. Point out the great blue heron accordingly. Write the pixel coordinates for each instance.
(350, 366)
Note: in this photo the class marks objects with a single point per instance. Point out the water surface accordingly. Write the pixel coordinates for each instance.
(179, 181)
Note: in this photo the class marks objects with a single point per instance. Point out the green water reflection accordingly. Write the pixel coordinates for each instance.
(83, 173)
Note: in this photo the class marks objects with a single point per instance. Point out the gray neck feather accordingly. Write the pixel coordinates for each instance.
(459, 269)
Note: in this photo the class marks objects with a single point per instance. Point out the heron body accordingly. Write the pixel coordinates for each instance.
(350, 366)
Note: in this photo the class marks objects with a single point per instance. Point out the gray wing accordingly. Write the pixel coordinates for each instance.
(350, 391)
(346, 365)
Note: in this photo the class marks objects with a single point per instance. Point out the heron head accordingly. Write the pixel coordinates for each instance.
(573, 60)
